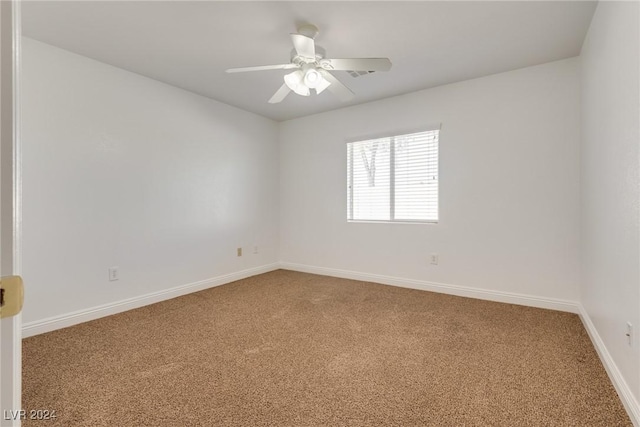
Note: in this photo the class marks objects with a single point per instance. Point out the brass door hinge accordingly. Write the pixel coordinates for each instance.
(11, 296)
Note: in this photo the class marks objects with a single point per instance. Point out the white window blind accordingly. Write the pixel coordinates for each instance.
(393, 178)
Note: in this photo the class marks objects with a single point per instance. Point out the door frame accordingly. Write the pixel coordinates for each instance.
(10, 205)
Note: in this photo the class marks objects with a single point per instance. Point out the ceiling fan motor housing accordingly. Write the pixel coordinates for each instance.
(297, 59)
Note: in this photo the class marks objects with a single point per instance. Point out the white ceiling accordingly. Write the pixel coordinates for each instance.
(190, 44)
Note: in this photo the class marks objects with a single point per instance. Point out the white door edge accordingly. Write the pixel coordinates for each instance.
(11, 328)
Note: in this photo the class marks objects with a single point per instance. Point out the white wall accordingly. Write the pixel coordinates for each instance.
(509, 185)
(610, 177)
(121, 170)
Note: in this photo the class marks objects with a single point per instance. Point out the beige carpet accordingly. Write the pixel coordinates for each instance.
(295, 349)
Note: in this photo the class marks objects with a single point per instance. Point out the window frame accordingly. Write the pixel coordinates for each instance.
(391, 135)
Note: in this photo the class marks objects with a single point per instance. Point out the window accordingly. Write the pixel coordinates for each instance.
(393, 179)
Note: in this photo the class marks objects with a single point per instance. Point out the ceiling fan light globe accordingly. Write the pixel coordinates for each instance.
(322, 85)
(312, 78)
(302, 90)
(293, 80)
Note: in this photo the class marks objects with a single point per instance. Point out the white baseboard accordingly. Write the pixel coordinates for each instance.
(463, 291)
(626, 395)
(80, 316)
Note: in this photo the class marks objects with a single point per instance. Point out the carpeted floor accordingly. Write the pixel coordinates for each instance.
(295, 349)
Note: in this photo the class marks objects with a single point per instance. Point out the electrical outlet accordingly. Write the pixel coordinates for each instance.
(239, 251)
(255, 249)
(114, 274)
(434, 259)
(629, 333)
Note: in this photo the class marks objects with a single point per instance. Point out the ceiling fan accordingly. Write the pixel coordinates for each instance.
(312, 69)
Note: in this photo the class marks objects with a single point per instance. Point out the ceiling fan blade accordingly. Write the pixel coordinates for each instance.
(305, 46)
(280, 94)
(357, 64)
(262, 67)
(336, 87)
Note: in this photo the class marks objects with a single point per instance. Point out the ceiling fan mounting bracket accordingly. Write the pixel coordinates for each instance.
(308, 30)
